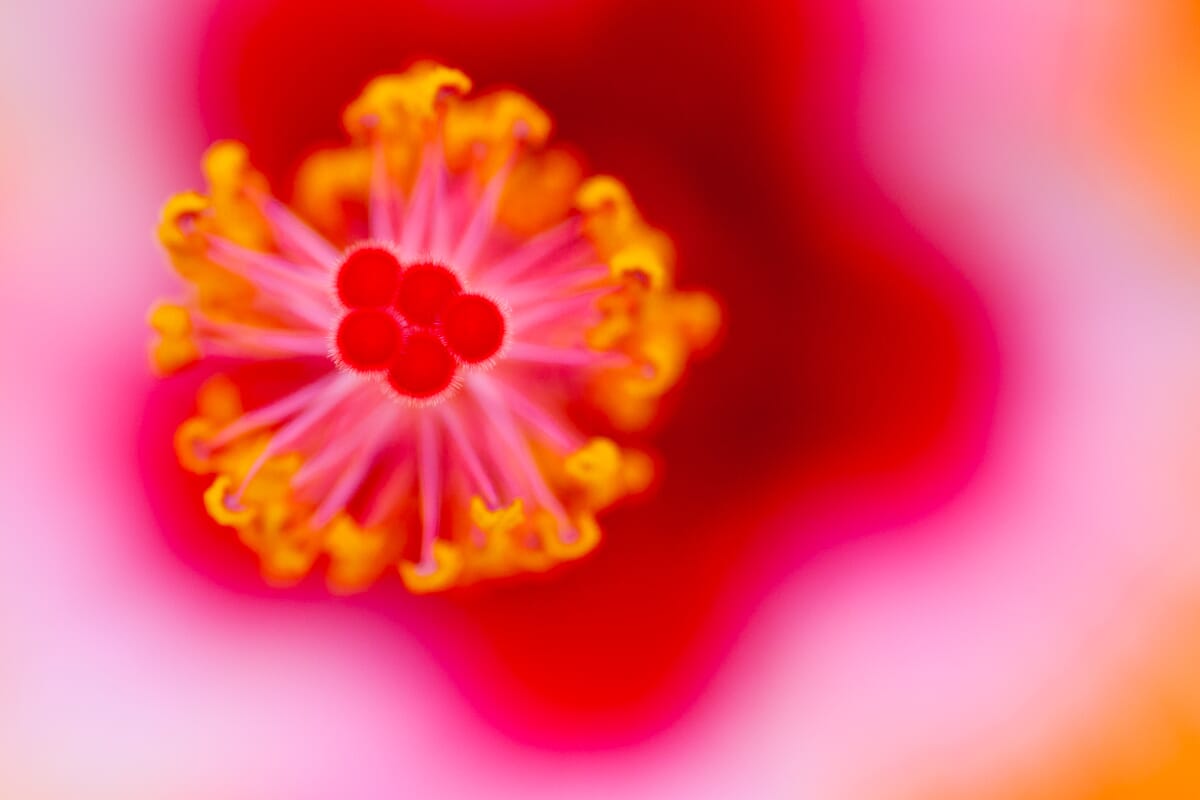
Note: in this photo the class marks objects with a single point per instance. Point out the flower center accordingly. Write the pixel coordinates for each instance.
(413, 321)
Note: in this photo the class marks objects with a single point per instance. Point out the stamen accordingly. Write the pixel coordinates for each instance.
(224, 507)
(530, 253)
(352, 474)
(391, 494)
(322, 407)
(382, 212)
(462, 444)
(282, 291)
(272, 414)
(233, 502)
(416, 222)
(439, 236)
(429, 476)
(295, 237)
(480, 224)
(254, 265)
(553, 285)
(347, 433)
(564, 310)
(561, 356)
(498, 413)
(287, 436)
(541, 420)
(240, 340)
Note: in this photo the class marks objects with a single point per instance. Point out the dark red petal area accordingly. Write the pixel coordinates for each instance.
(473, 327)
(425, 291)
(367, 339)
(423, 368)
(368, 278)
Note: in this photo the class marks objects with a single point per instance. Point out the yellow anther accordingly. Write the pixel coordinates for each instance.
(448, 562)
(662, 362)
(539, 191)
(513, 114)
(487, 128)
(698, 316)
(229, 210)
(226, 167)
(357, 555)
(328, 180)
(273, 481)
(528, 553)
(609, 331)
(571, 544)
(603, 193)
(236, 458)
(624, 411)
(219, 400)
(640, 261)
(346, 540)
(606, 473)
(487, 550)
(216, 501)
(647, 251)
(287, 547)
(177, 222)
(637, 471)
(497, 117)
(275, 517)
(234, 186)
(500, 521)
(596, 463)
(221, 295)
(394, 103)
(610, 219)
(190, 439)
(169, 319)
(171, 354)
(284, 566)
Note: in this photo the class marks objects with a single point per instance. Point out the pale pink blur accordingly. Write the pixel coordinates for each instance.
(944, 660)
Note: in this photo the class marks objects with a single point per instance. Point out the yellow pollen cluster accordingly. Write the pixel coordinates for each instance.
(657, 327)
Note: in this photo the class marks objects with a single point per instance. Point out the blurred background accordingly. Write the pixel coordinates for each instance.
(929, 526)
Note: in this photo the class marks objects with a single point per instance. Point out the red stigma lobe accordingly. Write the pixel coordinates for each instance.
(474, 327)
(368, 278)
(425, 291)
(367, 339)
(423, 367)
